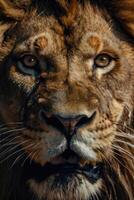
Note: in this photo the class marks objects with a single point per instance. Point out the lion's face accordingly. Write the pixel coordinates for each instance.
(69, 90)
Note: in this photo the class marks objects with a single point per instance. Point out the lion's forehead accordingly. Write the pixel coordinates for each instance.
(89, 33)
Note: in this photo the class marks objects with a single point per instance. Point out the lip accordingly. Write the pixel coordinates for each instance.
(39, 173)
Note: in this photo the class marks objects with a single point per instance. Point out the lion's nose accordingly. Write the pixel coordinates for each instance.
(68, 124)
(72, 122)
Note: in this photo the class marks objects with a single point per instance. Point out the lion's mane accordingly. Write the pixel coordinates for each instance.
(118, 182)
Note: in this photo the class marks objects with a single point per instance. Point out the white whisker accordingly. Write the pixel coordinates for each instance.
(31, 155)
(115, 158)
(11, 149)
(15, 153)
(119, 149)
(10, 123)
(124, 142)
(12, 130)
(9, 141)
(17, 159)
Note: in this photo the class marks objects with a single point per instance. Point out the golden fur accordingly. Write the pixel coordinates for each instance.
(68, 34)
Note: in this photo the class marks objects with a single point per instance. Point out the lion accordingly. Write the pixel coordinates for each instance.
(66, 100)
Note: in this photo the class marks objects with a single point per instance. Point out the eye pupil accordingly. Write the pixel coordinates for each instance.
(29, 61)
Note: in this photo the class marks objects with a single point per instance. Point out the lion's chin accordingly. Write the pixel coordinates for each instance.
(65, 187)
(65, 182)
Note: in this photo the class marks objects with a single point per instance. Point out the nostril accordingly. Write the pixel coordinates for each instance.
(83, 120)
(51, 120)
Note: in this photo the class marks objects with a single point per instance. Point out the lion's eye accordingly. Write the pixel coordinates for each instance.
(28, 64)
(29, 61)
(102, 60)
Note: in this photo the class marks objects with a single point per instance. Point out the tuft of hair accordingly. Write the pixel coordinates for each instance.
(10, 10)
(122, 11)
(71, 10)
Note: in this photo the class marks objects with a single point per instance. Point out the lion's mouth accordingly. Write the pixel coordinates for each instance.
(68, 127)
(39, 173)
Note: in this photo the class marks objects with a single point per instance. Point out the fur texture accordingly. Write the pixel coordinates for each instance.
(68, 34)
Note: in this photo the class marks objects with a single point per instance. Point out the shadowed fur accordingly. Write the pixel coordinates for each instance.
(62, 31)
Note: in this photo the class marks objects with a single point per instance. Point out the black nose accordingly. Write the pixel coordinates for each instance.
(72, 123)
(69, 124)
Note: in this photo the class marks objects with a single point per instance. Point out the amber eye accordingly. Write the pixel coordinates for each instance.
(102, 60)
(28, 64)
(29, 61)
